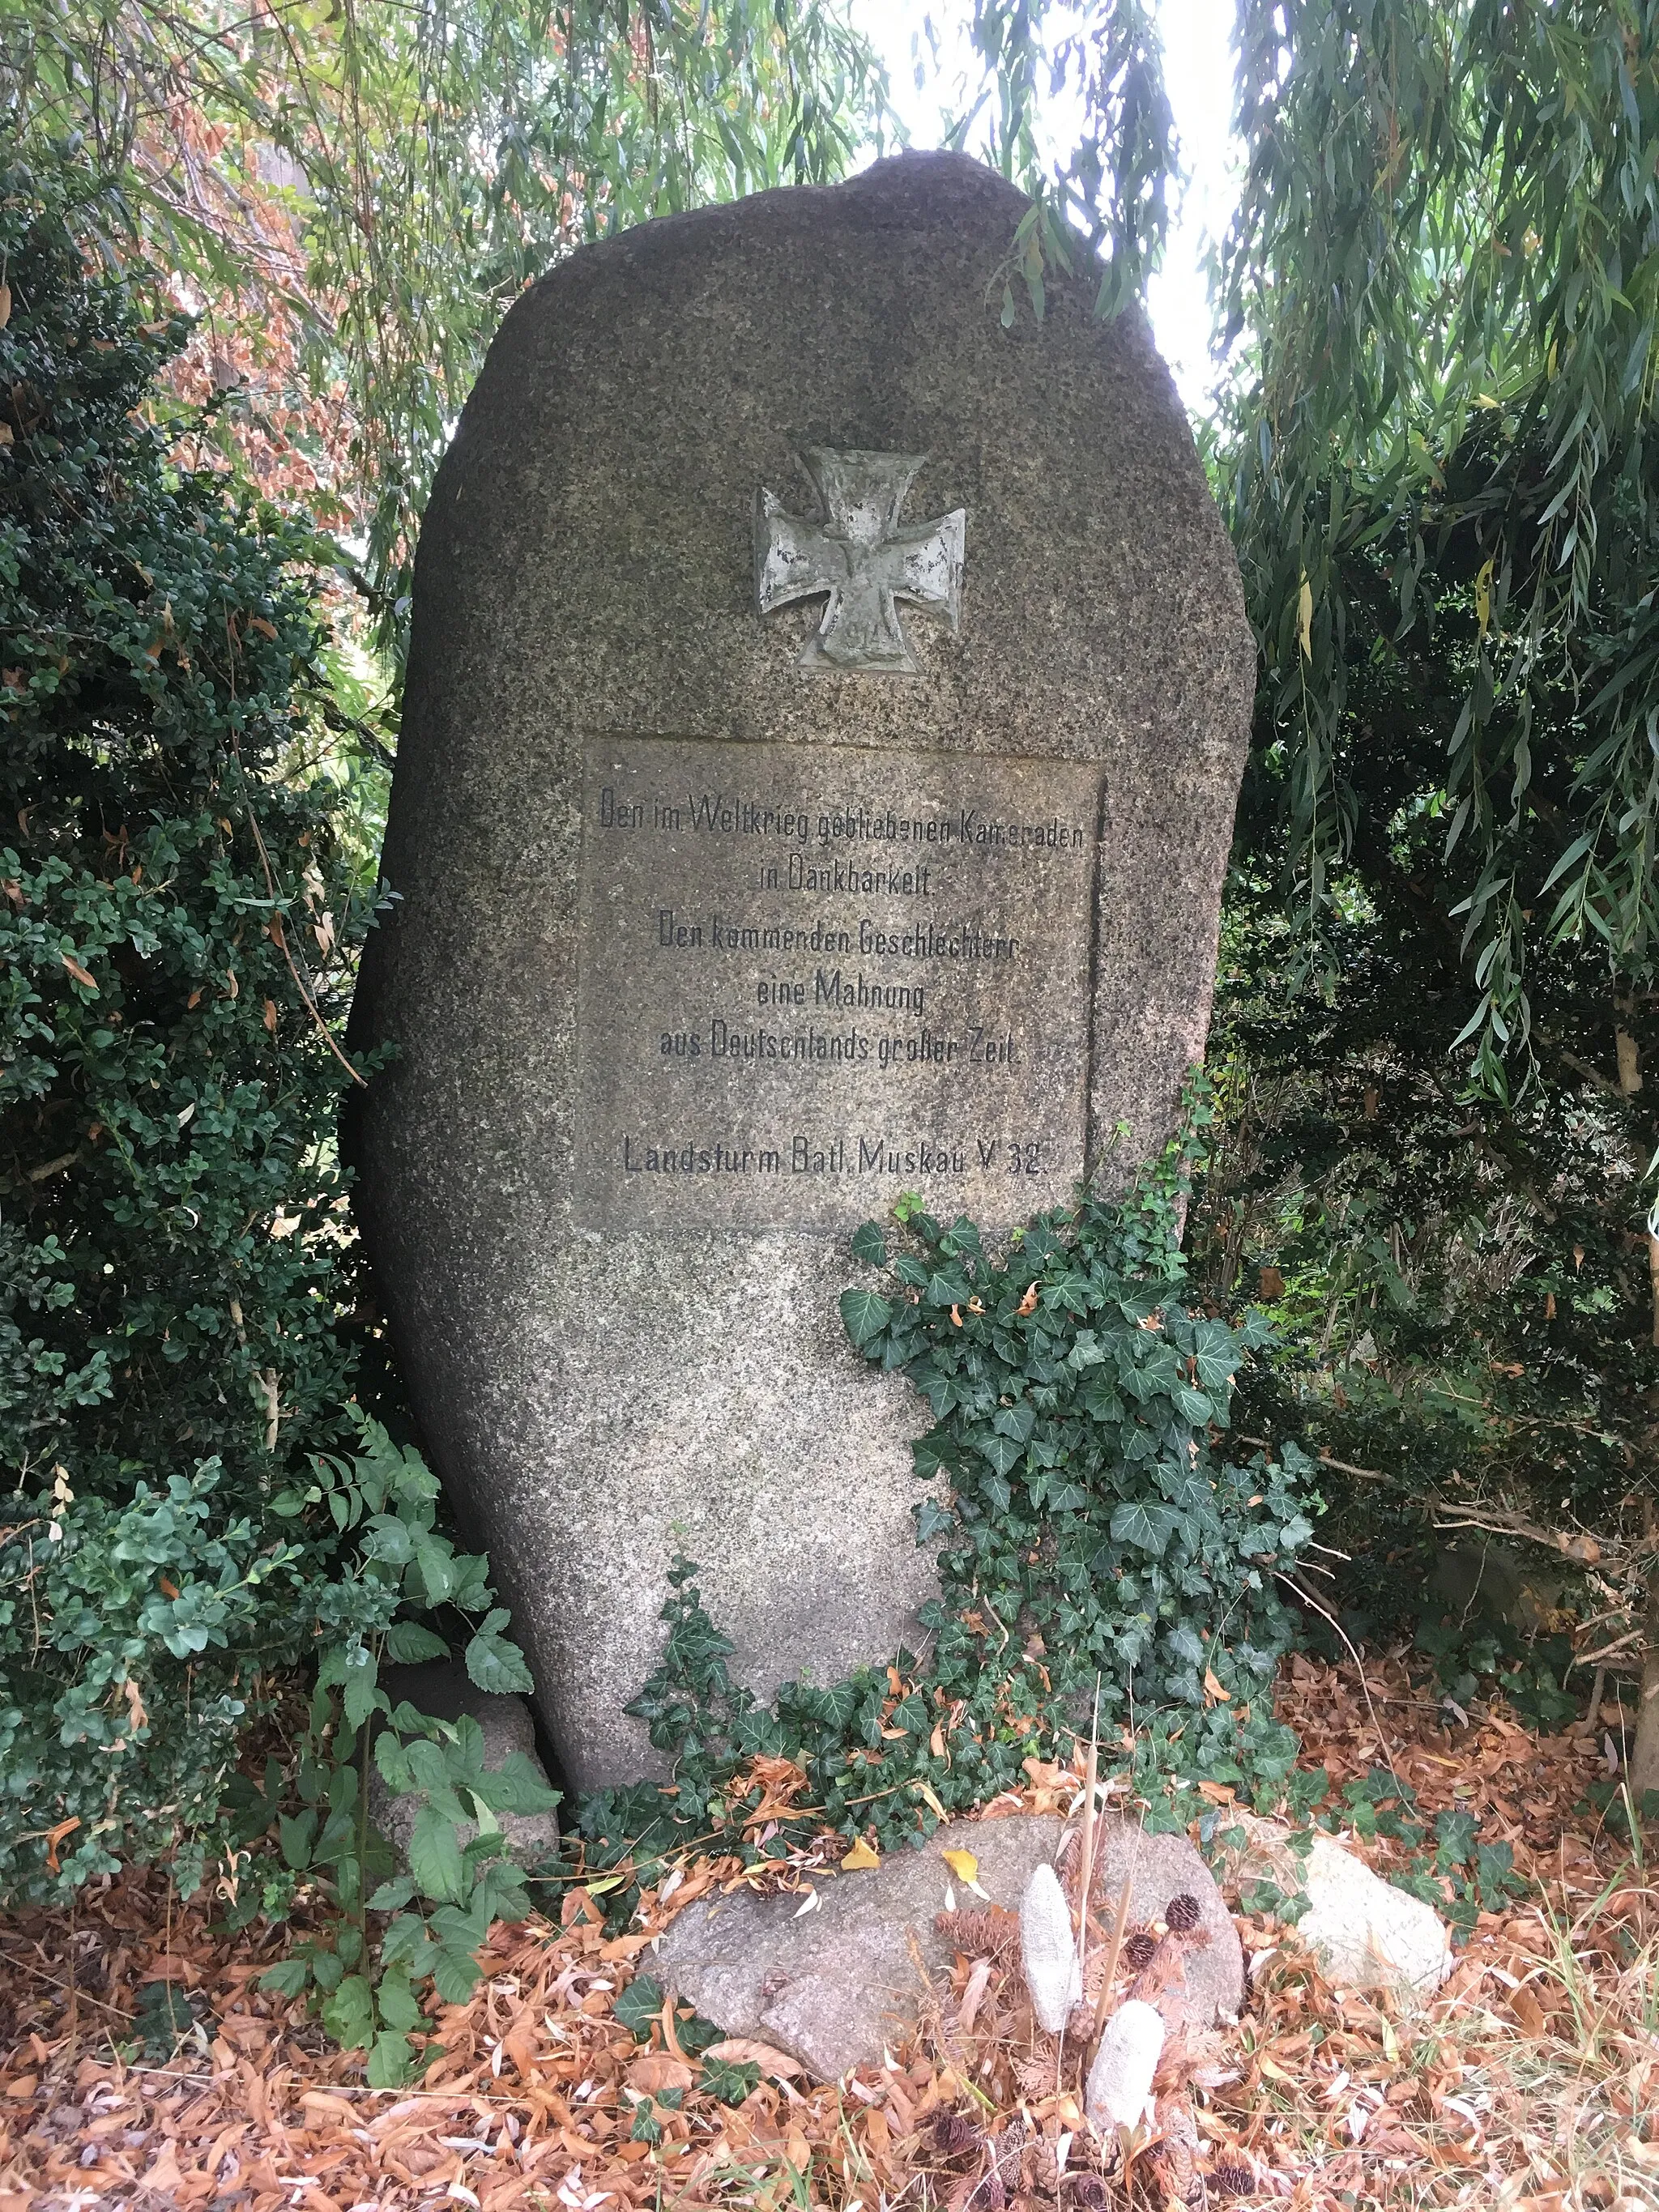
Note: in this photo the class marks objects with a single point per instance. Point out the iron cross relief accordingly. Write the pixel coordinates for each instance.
(860, 556)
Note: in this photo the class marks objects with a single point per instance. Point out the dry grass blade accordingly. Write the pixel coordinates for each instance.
(1114, 1952)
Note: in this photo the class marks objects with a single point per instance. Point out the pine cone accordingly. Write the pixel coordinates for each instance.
(1006, 2149)
(1086, 2192)
(1180, 2145)
(1138, 1951)
(1232, 2179)
(1181, 1914)
(1040, 2168)
(955, 2135)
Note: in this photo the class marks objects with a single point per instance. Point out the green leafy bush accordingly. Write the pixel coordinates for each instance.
(1096, 1545)
(1076, 1405)
(365, 1974)
(176, 911)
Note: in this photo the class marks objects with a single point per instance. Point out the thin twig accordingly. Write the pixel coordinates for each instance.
(1086, 1854)
(355, 1075)
(72, 1992)
(1113, 1950)
(1303, 1591)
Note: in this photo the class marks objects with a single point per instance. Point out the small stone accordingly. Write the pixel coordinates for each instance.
(1047, 1951)
(1160, 1868)
(1120, 2092)
(1365, 1934)
(833, 1986)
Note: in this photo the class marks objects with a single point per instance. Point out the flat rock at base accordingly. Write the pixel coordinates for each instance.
(836, 1985)
(1365, 1934)
(444, 1689)
(1159, 1868)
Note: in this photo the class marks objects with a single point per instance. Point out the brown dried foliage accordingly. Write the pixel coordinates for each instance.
(1531, 2083)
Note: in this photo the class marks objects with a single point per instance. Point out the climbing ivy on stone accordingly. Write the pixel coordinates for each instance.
(1078, 1405)
(1095, 1541)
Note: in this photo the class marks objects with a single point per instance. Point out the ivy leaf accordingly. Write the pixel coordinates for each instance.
(695, 2034)
(1216, 1356)
(933, 1519)
(1186, 1643)
(1004, 1453)
(837, 1704)
(927, 1455)
(869, 1244)
(638, 2005)
(1454, 1833)
(1147, 1527)
(1194, 1405)
(435, 1856)
(1494, 1874)
(730, 2079)
(864, 1315)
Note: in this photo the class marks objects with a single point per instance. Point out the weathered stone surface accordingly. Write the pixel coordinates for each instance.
(444, 1689)
(1366, 1933)
(1157, 1868)
(968, 980)
(833, 1984)
(599, 1349)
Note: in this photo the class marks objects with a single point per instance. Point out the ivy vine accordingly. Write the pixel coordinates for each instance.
(1095, 1542)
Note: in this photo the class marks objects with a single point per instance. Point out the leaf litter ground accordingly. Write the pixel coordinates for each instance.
(1530, 2084)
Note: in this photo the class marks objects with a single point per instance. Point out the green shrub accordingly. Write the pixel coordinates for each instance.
(1101, 1552)
(1078, 1408)
(176, 911)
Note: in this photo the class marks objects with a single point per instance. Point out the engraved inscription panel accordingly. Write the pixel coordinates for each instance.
(812, 977)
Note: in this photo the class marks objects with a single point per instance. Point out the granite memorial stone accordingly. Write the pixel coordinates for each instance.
(825, 718)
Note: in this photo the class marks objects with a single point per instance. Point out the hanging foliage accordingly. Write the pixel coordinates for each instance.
(1442, 281)
(356, 195)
